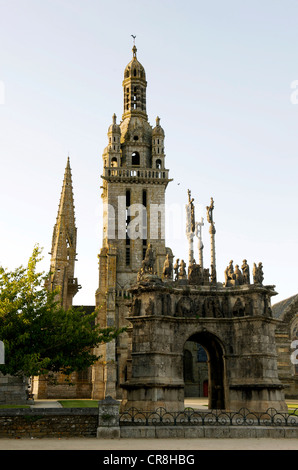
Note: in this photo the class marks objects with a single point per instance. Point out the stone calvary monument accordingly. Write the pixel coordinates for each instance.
(164, 302)
(233, 322)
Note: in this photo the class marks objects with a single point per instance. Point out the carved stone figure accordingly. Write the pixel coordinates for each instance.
(225, 308)
(195, 276)
(213, 274)
(229, 272)
(238, 275)
(239, 309)
(210, 212)
(217, 308)
(245, 272)
(258, 275)
(176, 269)
(184, 306)
(182, 270)
(191, 213)
(206, 276)
(167, 268)
(198, 308)
(148, 261)
(209, 307)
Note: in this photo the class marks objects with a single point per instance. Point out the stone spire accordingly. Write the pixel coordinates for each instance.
(64, 240)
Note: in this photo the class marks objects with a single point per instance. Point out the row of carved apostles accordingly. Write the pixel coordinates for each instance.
(198, 307)
(238, 277)
(200, 276)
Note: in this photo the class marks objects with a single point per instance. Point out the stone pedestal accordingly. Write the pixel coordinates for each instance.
(108, 419)
(13, 390)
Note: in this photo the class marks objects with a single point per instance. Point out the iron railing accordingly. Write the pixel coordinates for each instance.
(194, 417)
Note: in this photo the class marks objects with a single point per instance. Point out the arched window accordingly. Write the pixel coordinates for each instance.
(201, 354)
(158, 163)
(114, 162)
(135, 158)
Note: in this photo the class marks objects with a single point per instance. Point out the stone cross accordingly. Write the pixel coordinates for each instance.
(190, 226)
(212, 232)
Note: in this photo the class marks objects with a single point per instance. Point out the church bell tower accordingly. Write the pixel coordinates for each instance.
(133, 194)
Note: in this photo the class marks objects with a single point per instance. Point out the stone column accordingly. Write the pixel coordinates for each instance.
(190, 227)
(199, 226)
(212, 232)
(190, 249)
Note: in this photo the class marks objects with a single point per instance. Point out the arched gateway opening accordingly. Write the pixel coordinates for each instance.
(200, 369)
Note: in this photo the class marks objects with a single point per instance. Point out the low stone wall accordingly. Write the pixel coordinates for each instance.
(48, 422)
(211, 432)
(104, 423)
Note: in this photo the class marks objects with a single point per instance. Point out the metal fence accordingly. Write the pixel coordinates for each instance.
(194, 417)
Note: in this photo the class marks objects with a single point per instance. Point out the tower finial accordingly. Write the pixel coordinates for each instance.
(134, 49)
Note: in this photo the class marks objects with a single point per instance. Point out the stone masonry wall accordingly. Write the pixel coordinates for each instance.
(103, 423)
(13, 390)
(38, 423)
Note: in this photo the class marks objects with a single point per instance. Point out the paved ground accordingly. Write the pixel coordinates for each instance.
(146, 444)
(149, 444)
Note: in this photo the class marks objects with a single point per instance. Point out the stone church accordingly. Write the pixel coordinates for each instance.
(188, 334)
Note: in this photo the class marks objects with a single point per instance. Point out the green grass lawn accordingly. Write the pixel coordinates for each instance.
(79, 403)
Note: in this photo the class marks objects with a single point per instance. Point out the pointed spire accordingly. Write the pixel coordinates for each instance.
(66, 204)
(63, 254)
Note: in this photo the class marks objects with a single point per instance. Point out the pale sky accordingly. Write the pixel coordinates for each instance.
(219, 77)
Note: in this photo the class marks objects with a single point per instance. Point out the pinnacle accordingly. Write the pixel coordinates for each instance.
(66, 204)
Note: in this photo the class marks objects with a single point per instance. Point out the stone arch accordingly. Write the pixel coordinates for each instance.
(158, 163)
(114, 162)
(216, 366)
(135, 159)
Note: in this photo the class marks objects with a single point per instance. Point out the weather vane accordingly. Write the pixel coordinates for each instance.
(134, 39)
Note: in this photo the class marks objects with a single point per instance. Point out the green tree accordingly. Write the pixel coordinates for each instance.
(40, 337)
